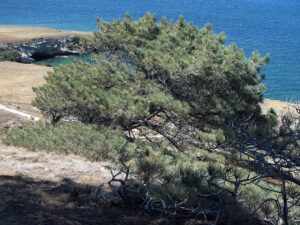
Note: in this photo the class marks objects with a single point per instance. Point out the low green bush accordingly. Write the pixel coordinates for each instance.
(9, 55)
(77, 138)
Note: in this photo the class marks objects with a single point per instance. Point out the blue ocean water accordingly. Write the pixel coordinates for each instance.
(62, 60)
(270, 26)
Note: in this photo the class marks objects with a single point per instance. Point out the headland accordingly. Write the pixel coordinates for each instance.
(23, 34)
(36, 43)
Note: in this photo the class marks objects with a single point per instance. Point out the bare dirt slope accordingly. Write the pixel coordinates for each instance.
(20, 34)
(7, 119)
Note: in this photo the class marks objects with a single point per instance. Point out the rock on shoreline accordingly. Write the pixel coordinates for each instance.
(44, 48)
(38, 42)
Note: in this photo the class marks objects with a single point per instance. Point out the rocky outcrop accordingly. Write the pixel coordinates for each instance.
(42, 48)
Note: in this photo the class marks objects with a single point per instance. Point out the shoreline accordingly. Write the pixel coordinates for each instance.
(36, 43)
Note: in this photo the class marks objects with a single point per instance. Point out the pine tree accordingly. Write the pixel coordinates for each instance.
(156, 75)
(168, 88)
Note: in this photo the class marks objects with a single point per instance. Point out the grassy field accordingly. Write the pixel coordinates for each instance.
(20, 34)
(17, 80)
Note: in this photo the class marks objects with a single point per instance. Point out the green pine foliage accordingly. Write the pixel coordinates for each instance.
(146, 68)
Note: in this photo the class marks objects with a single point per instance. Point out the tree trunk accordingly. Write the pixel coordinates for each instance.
(284, 207)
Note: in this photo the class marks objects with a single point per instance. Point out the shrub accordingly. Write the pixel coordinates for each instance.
(87, 140)
(10, 55)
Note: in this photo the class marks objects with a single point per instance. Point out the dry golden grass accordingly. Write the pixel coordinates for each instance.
(280, 107)
(17, 80)
(20, 34)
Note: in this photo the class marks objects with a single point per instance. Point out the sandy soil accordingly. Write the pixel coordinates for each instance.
(19, 34)
(275, 104)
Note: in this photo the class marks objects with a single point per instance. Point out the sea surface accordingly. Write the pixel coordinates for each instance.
(270, 26)
(62, 60)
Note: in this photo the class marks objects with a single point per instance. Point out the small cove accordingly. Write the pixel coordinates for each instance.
(62, 60)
